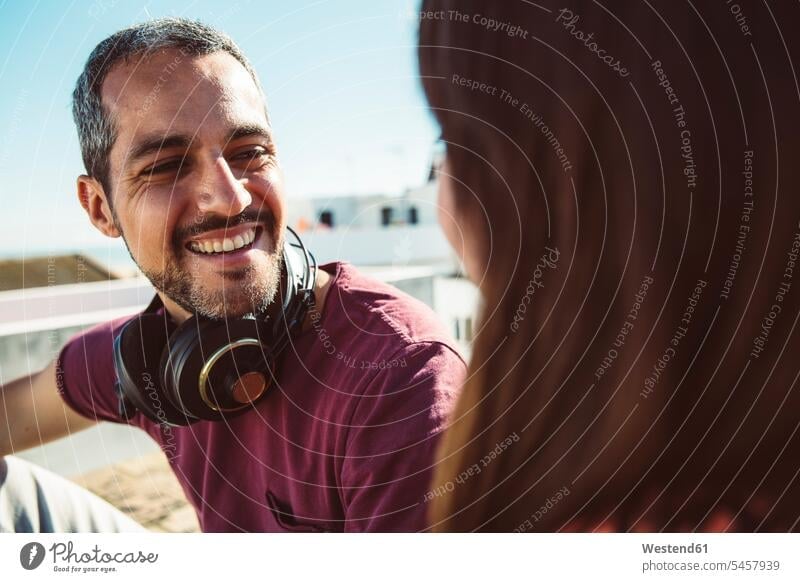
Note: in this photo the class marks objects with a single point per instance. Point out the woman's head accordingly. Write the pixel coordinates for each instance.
(623, 183)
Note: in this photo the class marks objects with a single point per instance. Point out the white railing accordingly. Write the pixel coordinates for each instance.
(62, 306)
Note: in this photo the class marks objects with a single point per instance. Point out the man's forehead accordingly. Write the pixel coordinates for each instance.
(178, 92)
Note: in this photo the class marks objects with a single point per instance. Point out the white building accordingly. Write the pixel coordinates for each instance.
(374, 230)
(396, 239)
(415, 207)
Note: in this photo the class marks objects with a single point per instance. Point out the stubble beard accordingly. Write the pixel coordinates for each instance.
(250, 291)
(254, 289)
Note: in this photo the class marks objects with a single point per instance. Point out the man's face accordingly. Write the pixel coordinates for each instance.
(195, 185)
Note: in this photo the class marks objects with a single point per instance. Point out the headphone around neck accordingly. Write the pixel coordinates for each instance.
(207, 369)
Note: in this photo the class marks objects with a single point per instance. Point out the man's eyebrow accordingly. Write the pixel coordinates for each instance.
(154, 144)
(251, 130)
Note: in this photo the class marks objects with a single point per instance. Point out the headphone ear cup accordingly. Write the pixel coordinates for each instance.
(137, 353)
(210, 363)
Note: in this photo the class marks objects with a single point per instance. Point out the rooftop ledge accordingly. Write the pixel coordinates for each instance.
(61, 306)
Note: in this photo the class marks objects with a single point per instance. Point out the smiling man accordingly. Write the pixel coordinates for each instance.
(191, 177)
(181, 163)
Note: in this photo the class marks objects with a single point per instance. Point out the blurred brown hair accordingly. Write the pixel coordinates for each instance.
(593, 402)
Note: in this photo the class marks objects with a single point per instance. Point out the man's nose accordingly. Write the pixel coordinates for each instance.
(219, 192)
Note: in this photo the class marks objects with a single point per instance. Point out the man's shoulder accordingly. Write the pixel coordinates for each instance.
(362, 305)
(101, 334)
(87, 357)
(392, 351)
(86, 373)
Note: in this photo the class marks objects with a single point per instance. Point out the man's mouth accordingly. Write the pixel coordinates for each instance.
(237, 239)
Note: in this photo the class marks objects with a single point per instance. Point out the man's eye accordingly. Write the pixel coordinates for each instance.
(171, 166)
(251, 155)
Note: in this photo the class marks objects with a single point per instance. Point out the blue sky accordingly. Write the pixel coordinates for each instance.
(340, 78)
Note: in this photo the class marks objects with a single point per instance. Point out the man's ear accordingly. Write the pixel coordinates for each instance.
(93, 198)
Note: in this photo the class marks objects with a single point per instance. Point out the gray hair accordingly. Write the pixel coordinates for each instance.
(96, 130)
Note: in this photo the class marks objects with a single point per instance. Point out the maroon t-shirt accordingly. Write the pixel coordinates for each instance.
(345, 441)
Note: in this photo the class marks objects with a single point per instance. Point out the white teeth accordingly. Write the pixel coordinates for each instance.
(224, 245)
